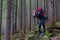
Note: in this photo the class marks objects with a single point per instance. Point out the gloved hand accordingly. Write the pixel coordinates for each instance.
(46, 17)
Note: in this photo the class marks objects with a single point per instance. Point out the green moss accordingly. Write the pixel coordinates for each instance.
(48, 34)
(30, 38)
(53, 25)
(2, 36)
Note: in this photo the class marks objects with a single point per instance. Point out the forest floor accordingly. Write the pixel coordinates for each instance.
(32, 35)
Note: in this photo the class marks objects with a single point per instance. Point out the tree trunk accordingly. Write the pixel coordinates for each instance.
(8, 20)
(51, 18)
(19, 20)
(29, 16)
(0, 17)
(22, 20)
(14, 16)
(22, 6)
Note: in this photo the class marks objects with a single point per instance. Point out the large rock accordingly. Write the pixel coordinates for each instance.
(55, 38)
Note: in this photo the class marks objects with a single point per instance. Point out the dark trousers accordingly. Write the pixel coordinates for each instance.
(42, 23)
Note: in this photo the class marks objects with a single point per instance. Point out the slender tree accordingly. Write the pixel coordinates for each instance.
(25, 14)
(22, 15)
(12, 15)
(15, 17)
(23, 19)
(21, 33)
(51, 13)
(8, 20)
(0, 17)
(30, 16)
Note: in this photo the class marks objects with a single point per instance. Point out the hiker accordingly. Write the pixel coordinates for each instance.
(40, 14)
